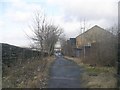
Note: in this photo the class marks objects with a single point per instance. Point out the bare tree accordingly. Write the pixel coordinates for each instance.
(45, 34)
(52, 37)
(113, 29)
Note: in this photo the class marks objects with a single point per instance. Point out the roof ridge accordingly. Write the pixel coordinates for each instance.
(90, 29)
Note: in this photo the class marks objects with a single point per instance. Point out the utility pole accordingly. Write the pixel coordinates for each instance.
(83, 37)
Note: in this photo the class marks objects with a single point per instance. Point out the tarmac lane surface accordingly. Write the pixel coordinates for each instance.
(64, 74)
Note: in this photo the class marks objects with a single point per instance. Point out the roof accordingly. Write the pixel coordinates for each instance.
(96, 26)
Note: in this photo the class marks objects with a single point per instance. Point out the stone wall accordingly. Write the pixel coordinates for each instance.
(11, 54)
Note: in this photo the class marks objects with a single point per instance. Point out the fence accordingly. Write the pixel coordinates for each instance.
(100, 54)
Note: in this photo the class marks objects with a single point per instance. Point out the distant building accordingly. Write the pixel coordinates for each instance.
(94, 35)
(94, 46)
(72, 42)
(70, 47)
(57, 47)
(97, 46)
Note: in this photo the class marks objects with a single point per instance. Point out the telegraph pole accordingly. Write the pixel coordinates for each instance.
(82, 28)
(83, 37)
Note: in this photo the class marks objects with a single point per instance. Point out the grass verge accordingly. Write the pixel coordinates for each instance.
(33, 73)
(96, 77)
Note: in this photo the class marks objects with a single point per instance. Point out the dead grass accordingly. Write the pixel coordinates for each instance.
(30, 74)
(96, 77)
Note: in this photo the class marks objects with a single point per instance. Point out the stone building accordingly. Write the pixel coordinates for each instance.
(97, 46)
(70, 46)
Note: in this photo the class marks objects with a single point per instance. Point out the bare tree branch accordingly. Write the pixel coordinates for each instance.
(45, 34)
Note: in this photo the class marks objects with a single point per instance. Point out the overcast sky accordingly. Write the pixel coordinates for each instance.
(15, 16)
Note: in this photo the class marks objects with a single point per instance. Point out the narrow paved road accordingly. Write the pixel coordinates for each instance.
(64, 74)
